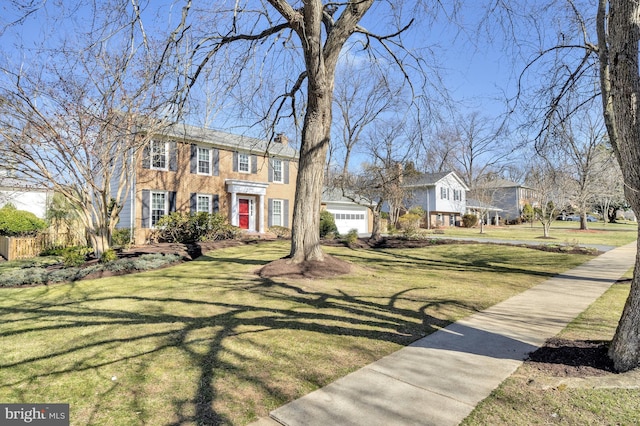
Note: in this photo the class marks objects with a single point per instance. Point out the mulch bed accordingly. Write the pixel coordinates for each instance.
(572, 358)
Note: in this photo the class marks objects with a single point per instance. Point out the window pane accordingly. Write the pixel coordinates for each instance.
(277, 170)
(158, 206)
(204, 203)
(204, 161)
(276, 212)
(243, 162)
(158, 155)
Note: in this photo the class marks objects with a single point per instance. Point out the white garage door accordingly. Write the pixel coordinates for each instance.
(348, 219)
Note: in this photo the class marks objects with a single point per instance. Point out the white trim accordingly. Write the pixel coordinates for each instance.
(280, 215)
(281, 171)
(210, 152)
(166, 155)
(209, 197)
(241, 155)
(151, 208)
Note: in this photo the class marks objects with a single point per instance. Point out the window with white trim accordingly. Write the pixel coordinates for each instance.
(276, 213)
(159, 155)
(159, 206)
(204, 161)
(277, 170)
(203, 203)
(457, 195)
(444, 193)
(243, 163)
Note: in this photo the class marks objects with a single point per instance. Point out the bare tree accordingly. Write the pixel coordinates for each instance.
(580, 150)
(477, 148)
(298, 46)
(618, 44)
(71, 122)
(380, 179)
(589, 51)
(550, 194)
(362, 96)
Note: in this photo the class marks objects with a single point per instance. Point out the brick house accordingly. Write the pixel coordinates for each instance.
(192, 169)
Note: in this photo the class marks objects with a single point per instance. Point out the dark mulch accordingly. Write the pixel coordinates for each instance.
(285, 268)
(572, 358)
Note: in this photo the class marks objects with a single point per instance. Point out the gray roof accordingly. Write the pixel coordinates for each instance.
(226, 140)
(334, 195)
(430, 179)
(503, 183)
(475, 204)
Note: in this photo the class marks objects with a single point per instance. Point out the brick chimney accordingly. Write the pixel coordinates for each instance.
(281, 138)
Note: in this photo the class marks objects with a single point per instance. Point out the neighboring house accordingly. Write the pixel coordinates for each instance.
(441, 195)
(510, 197)
(192, 169)
(24, 196)
(347, 214)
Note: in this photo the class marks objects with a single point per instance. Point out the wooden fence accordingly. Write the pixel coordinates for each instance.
(12, 248)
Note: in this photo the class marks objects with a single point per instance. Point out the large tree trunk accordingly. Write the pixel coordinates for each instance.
(620, 82)
(305, 232)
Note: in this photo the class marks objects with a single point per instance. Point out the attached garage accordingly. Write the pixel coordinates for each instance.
(349, 216)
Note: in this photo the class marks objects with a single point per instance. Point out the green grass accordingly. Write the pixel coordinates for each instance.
(615, 234)
(519, 402)
(209, 342)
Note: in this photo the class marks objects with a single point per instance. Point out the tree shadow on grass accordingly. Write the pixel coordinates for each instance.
(146, 327)
(202, 329)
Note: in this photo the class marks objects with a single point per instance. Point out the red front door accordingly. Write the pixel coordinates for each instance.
(243, 213)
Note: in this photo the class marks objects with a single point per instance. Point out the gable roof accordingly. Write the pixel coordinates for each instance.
(231, 141)
(432, 179)
(334, 195)
(503, 183)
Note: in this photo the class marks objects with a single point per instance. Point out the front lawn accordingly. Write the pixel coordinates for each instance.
(209, 342)
(568, 232)
(569, 389)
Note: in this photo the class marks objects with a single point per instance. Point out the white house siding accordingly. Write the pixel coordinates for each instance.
(450, 204)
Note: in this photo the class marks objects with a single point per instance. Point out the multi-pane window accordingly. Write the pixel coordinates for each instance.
(243, 163)
(159, 206)
(444, 193)
(349, 216)
(276, 212)
(277, 170)
(204, 161)
(159, 153)
(203, 203)
(457, 195)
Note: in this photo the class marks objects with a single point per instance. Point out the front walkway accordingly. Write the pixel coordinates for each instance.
(438, 380)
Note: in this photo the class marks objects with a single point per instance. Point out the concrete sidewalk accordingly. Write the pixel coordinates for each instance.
(439, 379)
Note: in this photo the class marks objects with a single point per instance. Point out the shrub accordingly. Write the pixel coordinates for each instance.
(75, 256)
(469, 220)
(352, 237)
(181, 227)
(280, 231)
(40, 275)
(327, 224)
(409, 224)
(121, 237)
(19, 223)
(108, 256)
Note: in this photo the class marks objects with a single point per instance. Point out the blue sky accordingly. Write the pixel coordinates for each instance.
(477, 75)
